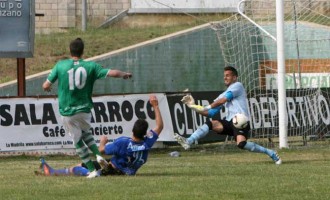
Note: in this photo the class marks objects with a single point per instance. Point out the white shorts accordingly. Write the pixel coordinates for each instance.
(74, 125)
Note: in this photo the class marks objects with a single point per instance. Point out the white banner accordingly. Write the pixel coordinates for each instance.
(35, 124)
(178, 6)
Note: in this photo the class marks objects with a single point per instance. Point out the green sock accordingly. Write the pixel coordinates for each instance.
(90, 142)
(83, 153)
(95, 149)
(79, 144)
(90, 165)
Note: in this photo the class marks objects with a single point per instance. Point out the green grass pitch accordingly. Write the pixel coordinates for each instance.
(206, 172)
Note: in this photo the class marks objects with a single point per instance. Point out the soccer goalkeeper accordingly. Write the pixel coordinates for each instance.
(235, 101)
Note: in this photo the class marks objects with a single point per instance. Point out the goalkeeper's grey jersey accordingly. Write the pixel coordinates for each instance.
(239, 102)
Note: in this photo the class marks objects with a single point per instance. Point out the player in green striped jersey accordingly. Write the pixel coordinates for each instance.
(76, 78)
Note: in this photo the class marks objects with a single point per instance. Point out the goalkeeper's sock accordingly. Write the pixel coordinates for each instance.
(253, 147)
(198, 134)
(80, 171)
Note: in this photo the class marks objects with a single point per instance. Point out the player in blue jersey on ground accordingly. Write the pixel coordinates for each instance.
(128, 153)
(235, 101)
(76, 78)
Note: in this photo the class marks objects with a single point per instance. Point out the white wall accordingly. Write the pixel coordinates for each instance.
(177, 6)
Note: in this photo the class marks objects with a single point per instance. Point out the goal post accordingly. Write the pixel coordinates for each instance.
(287, 80)
(282, 114)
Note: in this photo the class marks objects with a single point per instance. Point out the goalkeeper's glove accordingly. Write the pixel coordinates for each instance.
(188, 100)
(199, 108)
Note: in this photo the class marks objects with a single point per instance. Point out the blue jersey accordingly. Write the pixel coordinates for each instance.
(238, 103)
(128, 155)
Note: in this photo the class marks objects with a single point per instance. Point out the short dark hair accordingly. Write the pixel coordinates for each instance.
(140, 128)
(232, 69)
(77, 47)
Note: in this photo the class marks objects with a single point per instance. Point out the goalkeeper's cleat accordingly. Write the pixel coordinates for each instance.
(103, 163)
(182, 141)
(93, 174)
(276, 158)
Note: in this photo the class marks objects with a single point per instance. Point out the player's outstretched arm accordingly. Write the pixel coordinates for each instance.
(47, 86)
(119, 74)
(209, 110)
(159, 120)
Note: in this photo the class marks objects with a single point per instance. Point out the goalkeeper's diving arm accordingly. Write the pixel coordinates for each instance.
(206, 111)
(213, 108)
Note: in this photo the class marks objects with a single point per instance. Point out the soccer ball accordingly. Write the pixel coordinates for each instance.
(240, 121)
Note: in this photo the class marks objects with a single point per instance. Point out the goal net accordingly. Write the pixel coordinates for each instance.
(248, 41)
